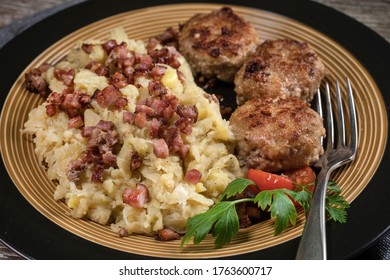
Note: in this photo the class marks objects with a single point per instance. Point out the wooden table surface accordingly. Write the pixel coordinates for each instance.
(374, 13)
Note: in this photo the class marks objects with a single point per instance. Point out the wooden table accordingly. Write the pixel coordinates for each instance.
(374, 14)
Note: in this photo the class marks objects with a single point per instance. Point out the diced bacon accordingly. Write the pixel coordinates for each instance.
(97, 173)
(51, 110)
(126, 67)
(96, 139)
(154, 127)
(108, 96)
(91, 156)
(70, 101)
(184, 125)
(167, 234)
(167, 133)
(118, 80)
(120, 51)
(66, 75)
(98, 68)
(128, 117)
(169, 37)
(143, 63)
(123, 232)
(158, 71)
(168, 112)
(74, 101)
(158, 106)
(87, 131)
(193, 176)
(74, 170)
(166, 55)
(128, 62)
(75, 122)
(128, 72)
(34, 82)
(109, 45)
(143, 101)
(87, 48)
(71, 105)
(120, 103)
(56, 98)
(152, 43)
(137, 197)
(157, 88)
(178, 145)
(160, 148)
(135, 161)
(172, 100)
(85, 100)
(109, 159)
(144, 109)
(111, 138)
(189, 112)
(182, 150)
(140, 120)
(105, 125)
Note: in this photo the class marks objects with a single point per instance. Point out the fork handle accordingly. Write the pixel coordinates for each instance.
(312, 245)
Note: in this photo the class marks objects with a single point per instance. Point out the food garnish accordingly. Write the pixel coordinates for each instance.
(222, 220)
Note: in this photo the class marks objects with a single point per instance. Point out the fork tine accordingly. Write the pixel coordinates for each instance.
(340, 119)
(319, 104)
(319, 109)
(329, 125)
(352, 120)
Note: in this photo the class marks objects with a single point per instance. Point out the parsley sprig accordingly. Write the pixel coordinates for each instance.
(222, 220)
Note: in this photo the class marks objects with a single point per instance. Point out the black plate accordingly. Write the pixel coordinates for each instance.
(34, 236)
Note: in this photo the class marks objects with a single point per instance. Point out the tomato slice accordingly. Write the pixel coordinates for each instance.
(268, 181)
(304, 176)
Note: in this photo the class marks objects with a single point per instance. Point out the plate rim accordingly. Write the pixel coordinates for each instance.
(275, 6)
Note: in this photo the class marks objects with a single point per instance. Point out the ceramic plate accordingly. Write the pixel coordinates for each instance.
(27, 195)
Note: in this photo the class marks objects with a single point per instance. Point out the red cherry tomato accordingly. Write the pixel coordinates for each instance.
(268, 181)
(304, 177)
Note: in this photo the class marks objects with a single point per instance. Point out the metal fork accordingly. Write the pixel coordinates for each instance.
(312, 245)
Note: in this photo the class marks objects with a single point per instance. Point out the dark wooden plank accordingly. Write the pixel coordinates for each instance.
(374, 13)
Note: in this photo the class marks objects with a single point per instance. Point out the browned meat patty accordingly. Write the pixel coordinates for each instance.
(280, 67)
(215, 44)
(277, 134)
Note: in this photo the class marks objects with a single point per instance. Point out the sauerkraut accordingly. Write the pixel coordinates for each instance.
(171, 198)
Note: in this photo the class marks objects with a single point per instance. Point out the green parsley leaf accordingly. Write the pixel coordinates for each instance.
(264, 199)
(335, 203)
(333, 187)
(337, 214)
(227, 227)
(200, 225)
(303, 196)
(235, 187)
(223, 215)
(283, 210)
(280, 206)
(221, 219)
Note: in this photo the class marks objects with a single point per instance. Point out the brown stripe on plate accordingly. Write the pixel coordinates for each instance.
(31, 180)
